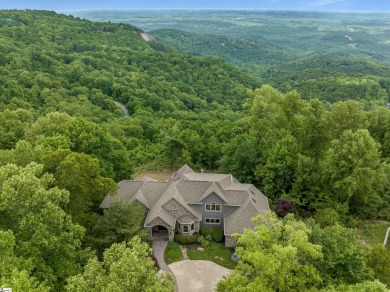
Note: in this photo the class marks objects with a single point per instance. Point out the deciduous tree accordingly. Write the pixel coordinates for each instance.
(126, 267)
(44, 234)
(119, 223)
(274, 256)
(344, 255)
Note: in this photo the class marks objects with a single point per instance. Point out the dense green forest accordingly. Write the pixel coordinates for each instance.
(65, 144)
(329, 56)
(328, 76)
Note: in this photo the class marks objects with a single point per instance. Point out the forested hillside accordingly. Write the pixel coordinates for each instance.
(330, 56)
(328, 76)
(65, 144)
(55, 63)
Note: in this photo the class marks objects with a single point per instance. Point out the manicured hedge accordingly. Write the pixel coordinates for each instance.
(216, 233)
(184, 239)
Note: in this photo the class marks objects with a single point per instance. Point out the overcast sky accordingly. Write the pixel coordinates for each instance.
(334, 5)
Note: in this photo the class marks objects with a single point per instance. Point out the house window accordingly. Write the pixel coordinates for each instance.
(185, 228)
(213, 207)
(192, 226)
(213, 220)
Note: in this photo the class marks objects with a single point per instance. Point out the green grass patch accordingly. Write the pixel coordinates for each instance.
(373, 232)
(172, 253)
(215, 252)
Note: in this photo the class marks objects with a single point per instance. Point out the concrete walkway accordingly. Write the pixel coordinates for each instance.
(198, 275)
(158, 252)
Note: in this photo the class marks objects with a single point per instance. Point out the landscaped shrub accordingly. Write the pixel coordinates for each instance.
(216, 233)
(204, 241)
(284, 207)
(184, 239)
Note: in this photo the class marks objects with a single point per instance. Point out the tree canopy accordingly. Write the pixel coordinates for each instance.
(126, 267)
(274, 256)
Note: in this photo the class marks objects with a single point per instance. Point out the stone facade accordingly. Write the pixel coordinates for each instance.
(230, 241)
(176, 209)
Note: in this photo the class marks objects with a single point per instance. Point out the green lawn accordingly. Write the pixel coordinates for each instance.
(172, 253)
(373, 232)
(215, 252)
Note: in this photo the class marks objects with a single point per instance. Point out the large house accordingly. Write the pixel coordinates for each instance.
(191, 201)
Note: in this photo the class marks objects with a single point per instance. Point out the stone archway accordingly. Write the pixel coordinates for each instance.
(160, 232)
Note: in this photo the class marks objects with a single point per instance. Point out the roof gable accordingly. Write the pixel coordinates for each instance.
(179, 201)
(141, 198)
(181, 171)
(161, 214)
(213, 189)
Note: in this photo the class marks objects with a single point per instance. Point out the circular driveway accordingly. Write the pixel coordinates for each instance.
(198, 276)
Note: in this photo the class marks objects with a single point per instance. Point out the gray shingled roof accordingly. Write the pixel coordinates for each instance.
(153, 191)
(240, 218)
(185, 219)
(238, 187)
(182, 170)
(191, 191)
(161, 213)
(214, 188)
(127, 189)
(187, 187)
(236, 198)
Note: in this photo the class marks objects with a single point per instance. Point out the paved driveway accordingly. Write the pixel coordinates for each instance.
(198, 276)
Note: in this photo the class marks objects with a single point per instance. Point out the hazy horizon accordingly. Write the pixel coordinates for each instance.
(311, 5)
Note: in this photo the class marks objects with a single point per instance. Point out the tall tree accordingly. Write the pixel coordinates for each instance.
(15, 271)
(344, 255)
(378, 259)
(274, 256)
(44, 234)
(126, 267)
(278, 172)
(240, 158)
(347, 115)
(380, 128)
(120, 223)
(353, 173)
(80, 175)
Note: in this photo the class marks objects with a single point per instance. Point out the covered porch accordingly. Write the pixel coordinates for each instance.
(162, 233)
